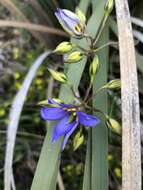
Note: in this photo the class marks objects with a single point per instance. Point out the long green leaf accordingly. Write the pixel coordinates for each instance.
(88, 163)
(45, 176)
(91, 172)
(100, 133)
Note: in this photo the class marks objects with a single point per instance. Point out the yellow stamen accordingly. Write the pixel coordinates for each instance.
(78, 28)
(71, 109)
(74, 113)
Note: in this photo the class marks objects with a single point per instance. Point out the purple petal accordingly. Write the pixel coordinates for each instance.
(69, 21)
(66, 105)
(87, 120)
(74, 125)
(62, 128)
(69, 14)
(51, 101)
(52, 113)
(65, 23)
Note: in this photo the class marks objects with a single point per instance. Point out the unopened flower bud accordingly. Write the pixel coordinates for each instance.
(78, 140)
(80, 15)
(113, 125)
(113, 84)
(109, 6)
(63, 47)
(61, 77)
(43, 102)
(70, 22)
(74, 57)
(94, 67)
(50, 102)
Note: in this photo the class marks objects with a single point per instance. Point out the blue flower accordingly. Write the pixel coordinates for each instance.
(70, 22)
(68, 117)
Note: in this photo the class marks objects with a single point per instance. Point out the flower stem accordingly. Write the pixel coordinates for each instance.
(97, 91)
(87, 92)
(79, 47)
(96, 110)
(105, 45)
(73, 91)
(100, 29)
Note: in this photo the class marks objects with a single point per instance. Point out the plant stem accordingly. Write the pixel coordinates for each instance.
(101, 28)
(97, 91)
(87, 92)
(105, 45)
(72, 89)
(79, 47)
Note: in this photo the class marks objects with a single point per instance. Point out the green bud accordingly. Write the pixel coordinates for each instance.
(74, 57)
(109, 6)
(118, 172)
(113, 125)
(61, 77)
(80, 15)
(78, 140)
(113, 84)
(94, 67)
(43, 102)
(63, 47)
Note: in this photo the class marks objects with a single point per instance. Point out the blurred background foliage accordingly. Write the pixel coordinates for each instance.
(18, 49)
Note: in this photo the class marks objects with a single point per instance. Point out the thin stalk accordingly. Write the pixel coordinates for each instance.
(100, 30)
(105, 45)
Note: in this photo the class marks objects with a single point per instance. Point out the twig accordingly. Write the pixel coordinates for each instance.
(137, 21)
(131, 144)
(8, 4)
(112, 43)
(138, 35)
(31, 26)
(60, 182)
(43, 17)
(13, 182)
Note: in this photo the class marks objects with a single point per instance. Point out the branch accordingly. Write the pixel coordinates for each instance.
(31, 26)
(131, 145)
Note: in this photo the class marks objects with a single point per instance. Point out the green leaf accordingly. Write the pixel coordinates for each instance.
(45, 177)
(95, 175)
(100, 133)
(47, 165)
(88, 163)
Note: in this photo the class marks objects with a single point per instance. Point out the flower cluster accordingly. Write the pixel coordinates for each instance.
(68, 117)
